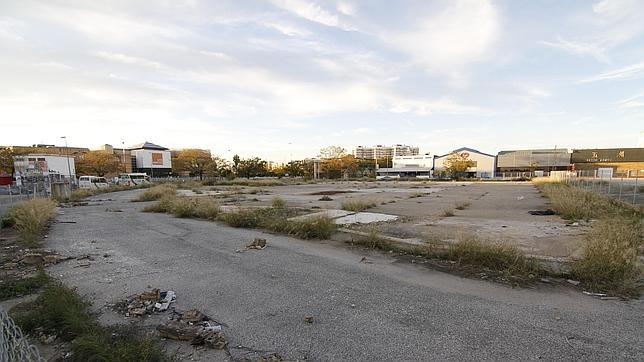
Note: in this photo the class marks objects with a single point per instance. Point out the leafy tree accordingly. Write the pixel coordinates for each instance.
(197, 162)
(344, 166)
(98, 163)
(6, 161)
(251, 167)
(332, 152)
(457, 163)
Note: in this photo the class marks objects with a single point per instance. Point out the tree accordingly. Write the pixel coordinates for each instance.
(6, 161)
(332, 152)
(98, 163)
(195, 161)
(251, 167)
(457, 163)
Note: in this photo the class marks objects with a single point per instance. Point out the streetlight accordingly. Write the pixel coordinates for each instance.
(69, 169)
(124, 164)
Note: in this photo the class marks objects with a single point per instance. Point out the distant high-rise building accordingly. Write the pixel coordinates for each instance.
(380, 151)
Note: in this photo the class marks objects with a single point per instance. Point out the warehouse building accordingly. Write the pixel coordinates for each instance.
(484, 164)
(628, 162)
(408, 167)
(44, 165)
(546, 160)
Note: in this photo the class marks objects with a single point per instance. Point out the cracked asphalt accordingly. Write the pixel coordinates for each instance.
(386, 310)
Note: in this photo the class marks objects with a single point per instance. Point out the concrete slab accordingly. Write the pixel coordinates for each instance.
(364, 218)
(333, 214)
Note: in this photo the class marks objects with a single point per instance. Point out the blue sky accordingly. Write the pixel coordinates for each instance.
(283, 78)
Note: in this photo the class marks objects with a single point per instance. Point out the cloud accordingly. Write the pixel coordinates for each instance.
(579, 48)
(636, 101)
(630, 72)
(309, 11)
(462, 33)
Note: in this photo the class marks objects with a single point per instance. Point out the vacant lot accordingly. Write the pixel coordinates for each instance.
(431, 211)
(381, 309)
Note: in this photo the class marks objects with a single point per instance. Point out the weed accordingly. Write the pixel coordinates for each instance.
(18, 287)
(157, 192)
(416, 195)
(278, 203)
(472, 251)
(447, 213)
(58, 310)
(30, 218)
(462, 205)
(610, 259)
(325, 198)
(197, 207)
(574, 203)
(357, 205)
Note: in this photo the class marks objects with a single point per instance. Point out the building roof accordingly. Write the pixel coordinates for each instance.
(404, 169)
(148, 146)
(540, 150)
(471, 150)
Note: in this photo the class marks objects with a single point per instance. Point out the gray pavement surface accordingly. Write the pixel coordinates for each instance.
(387, 310)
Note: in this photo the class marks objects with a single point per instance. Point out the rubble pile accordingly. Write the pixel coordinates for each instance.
(149, 302)
(257, 243)
(194, 326)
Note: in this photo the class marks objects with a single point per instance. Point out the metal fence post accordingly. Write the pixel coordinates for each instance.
(621, 183)
(637, 176)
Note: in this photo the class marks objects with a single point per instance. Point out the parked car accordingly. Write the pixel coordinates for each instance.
(9, 189)
(92, 182)
(132, 179)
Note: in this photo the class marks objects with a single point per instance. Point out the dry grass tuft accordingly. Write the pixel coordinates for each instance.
(357, 205)
(197, 207)
(157, 192)
(462, 205)
(278, 203)
(472, 251)
(447, 213)
(610, 259)
(30, 219)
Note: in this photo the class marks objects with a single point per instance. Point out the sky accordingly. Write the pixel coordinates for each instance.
(280, 79)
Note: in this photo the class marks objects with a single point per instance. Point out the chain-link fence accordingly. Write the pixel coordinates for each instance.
(627, 186)
(14, 347)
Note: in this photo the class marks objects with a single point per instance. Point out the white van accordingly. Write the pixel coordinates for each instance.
(92, 182)
(132, 179)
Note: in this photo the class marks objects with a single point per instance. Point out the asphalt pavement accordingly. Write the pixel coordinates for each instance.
(383, 310)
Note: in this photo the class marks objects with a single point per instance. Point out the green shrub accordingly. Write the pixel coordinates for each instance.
(357, 205)
(10, 288)
(243, 218)
(610, 260)
(58, 310)
(30, 219)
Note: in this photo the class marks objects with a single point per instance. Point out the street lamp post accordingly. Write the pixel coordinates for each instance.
(69, 168)
(124, 161)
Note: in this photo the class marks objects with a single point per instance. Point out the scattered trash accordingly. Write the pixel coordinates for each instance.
(113, 210)
(148, 302)
(353, 305)
(195, 327)
(257, 243)
(520, 198)
(595, 294)
(576, 223)
(573, 282)
(541, 212)
(308, 318)
(365, 260)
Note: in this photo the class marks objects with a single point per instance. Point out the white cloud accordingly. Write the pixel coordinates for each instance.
(462, 33)
(630, 72)
(309, 10)
(346, 8)
(636, 101)
(579, 48)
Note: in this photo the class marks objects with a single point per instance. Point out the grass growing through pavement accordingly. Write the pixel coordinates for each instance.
(10, 288)
(196, 207)
(61, 311)
(156, 192)
(610, 261)
(462, 205)
(80, 194)
(357, 205)
(30, 219)
(277, 220)
(447, 213)
(472, 251)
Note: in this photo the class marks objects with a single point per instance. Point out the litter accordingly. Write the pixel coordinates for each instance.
(257, 243)
(595, 294)
(541, 212)
(573, 282)
(365, 260)
(308, 318)
(194, 326)
(148, 302)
